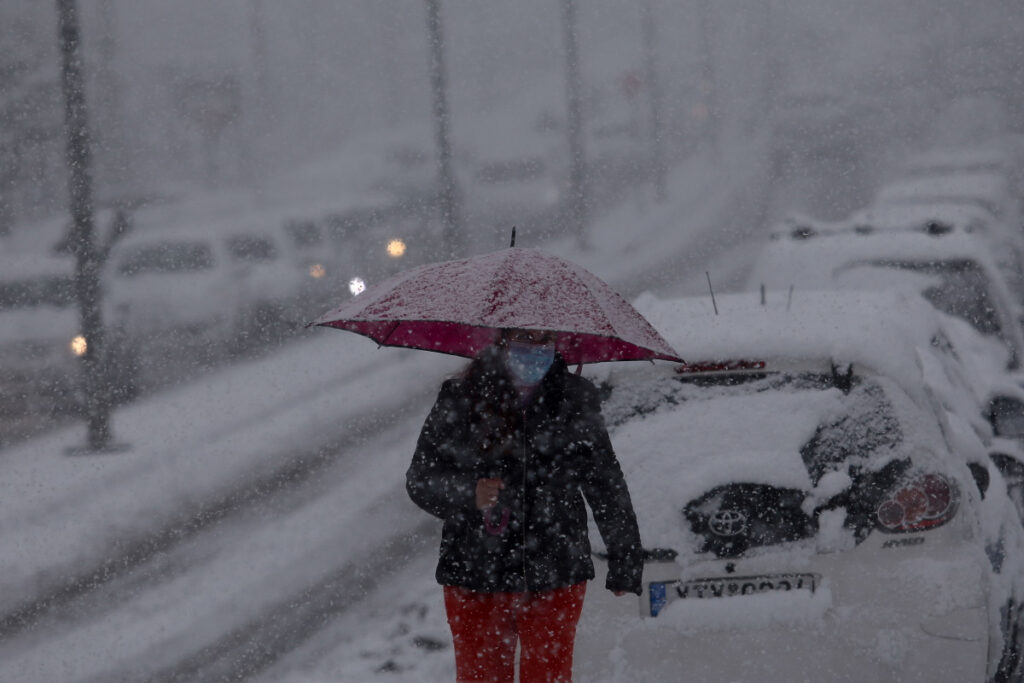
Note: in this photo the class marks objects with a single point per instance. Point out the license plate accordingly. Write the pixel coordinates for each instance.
(663, 592)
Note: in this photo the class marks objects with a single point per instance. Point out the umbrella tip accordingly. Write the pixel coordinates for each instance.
(513, 237)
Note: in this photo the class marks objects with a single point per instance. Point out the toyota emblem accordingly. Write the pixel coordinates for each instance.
(728, 523)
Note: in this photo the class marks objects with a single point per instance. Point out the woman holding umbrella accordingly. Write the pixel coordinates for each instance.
(506, 458)
(512, 448)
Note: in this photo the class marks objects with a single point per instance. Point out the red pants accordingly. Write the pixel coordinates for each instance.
(485, 627)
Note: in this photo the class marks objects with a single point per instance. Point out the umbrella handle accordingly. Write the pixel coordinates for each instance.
(499, 528)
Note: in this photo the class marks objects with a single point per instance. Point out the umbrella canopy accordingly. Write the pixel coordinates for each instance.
(457, 307)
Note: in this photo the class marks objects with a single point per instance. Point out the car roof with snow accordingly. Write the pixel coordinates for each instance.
(836, 261)
(985, 189)
(880, 331)
(915, 215)
(785, 261)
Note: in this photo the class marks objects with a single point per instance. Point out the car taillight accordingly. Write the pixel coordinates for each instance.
(921, 502)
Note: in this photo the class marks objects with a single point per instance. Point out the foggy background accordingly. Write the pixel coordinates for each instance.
(196, 94)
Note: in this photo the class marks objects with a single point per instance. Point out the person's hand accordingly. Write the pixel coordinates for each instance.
(487, 492)
(619, 594)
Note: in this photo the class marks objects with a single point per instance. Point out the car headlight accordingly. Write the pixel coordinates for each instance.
(396, 248)
(78, 346)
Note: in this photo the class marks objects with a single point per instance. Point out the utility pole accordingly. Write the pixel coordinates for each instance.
(112, 169)
(448, 192)
(89, 259)
(577, 206)
(390, 42)
(707, 75)
(650, 40)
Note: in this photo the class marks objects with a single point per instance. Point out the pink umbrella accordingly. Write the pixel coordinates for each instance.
(457, 307)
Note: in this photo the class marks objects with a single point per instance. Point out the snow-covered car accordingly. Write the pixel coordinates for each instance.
(179, 292)
(986, 190)
(810, 508)
(956, 273)
(1005, 243)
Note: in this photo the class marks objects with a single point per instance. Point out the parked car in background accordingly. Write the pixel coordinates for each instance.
(952, 271)
(176, 290)
(989, 191)
(810, 506)
(1005, 243)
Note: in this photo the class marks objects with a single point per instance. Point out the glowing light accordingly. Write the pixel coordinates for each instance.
(317, 271)
(356, 286)
(79, 346)
(396, 248)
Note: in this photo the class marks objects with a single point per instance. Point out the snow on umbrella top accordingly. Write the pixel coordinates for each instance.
(457, 307)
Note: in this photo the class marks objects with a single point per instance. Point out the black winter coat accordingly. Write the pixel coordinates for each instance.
(559, 453)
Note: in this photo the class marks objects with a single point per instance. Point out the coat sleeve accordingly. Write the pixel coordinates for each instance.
(606, 492)
(433, 481)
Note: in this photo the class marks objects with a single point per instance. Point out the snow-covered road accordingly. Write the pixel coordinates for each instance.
(259, 510)
(212, 515)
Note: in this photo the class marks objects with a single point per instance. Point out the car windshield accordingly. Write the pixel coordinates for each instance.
(41, 290)
(859, 422)
(167, 257)
(957, 287)
(251, 249)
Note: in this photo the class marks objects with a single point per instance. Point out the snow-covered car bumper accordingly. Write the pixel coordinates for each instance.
(912, 618)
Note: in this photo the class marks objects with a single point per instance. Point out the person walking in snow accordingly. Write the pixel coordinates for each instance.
(506, 458)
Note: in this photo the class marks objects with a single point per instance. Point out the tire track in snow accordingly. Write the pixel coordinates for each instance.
(127, 555)
(260, 642)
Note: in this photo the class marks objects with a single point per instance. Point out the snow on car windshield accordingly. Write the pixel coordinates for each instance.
(679, 438)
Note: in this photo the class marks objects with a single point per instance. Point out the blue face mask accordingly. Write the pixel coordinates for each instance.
(528, 363)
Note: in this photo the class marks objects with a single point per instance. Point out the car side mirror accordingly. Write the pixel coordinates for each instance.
(981, 476)
(1006, 415)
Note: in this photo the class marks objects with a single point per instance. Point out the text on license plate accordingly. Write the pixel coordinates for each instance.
(663, 592)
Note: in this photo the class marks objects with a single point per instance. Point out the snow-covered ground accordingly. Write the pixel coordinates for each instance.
(256, 520)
